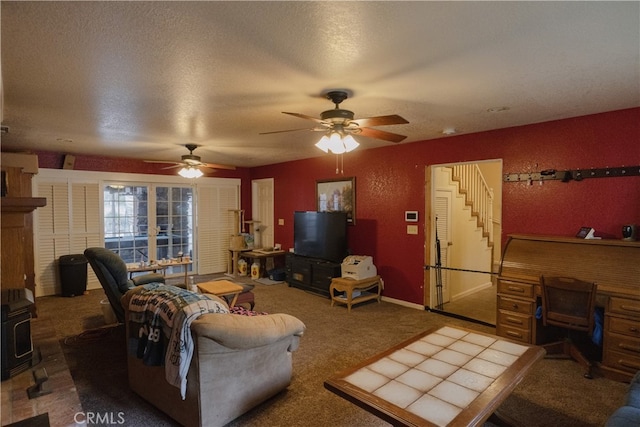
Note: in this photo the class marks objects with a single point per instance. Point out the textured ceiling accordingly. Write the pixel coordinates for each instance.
(141, 79)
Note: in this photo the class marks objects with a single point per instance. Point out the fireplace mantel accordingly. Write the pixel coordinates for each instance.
(22, 204)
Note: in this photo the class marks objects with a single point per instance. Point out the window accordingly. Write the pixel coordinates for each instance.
(130, 224)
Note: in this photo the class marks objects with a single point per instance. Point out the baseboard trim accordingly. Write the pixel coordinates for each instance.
(403, 303)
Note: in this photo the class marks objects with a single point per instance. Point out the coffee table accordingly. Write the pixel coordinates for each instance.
(445, 376)
(221, 288)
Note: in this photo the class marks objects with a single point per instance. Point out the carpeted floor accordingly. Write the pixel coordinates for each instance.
(554, 394)
(98, 365)
(268, 282)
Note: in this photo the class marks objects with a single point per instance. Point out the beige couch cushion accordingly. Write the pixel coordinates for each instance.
(242, 332)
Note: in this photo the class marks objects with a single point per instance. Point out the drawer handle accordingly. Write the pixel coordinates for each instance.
(628, 364)
(514, 334)
(515, 306)
(516, 289)
(514, 320)
(633, 348)
(630, 308)
(633, 329)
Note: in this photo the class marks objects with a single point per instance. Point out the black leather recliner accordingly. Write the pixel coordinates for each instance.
(111, 270)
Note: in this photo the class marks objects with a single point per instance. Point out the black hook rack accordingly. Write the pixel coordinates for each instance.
(572, 175)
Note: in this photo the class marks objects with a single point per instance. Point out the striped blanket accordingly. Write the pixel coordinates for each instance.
(160, 317)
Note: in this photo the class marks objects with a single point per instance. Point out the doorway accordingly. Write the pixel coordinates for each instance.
(464, 205)
(262, 211)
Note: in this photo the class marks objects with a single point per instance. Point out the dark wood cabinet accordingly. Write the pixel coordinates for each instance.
(311, 274)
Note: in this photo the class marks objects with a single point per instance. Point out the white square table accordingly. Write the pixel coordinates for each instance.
(445, 376)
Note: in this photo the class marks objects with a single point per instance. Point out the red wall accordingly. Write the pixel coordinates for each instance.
(390, 180)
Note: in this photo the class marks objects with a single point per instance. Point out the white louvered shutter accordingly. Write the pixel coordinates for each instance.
(215, 226)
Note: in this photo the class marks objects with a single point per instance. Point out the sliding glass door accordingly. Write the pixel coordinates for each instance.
(144, 225)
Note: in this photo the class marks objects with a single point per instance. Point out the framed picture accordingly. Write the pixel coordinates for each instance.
(337, 195)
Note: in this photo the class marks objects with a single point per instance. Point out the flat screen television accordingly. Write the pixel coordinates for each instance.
(320, 235)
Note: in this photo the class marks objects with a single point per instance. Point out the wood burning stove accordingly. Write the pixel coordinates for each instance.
(17, 347)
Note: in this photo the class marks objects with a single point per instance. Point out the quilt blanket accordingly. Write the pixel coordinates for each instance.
(160, 317)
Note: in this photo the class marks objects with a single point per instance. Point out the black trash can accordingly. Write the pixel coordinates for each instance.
(73, 274)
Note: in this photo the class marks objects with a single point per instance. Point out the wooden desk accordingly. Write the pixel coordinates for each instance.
(446, 376)
(348, 286)
(613, 264)
(136, 268)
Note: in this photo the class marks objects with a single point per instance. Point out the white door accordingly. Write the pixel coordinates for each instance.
(442, 210)
(262, 210)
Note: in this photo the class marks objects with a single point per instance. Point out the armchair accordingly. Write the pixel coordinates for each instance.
(111, 271)
(238, 362)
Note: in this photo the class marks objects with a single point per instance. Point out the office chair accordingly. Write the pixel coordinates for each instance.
(568, 303)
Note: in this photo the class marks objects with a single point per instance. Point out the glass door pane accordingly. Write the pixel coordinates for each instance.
(174, 224)
(126, 221)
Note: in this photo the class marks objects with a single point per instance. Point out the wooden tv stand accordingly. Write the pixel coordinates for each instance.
(613, 264)
(311, 274)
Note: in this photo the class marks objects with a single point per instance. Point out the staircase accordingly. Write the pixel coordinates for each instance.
(477, 195)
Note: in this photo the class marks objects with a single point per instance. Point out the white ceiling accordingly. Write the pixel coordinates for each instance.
(141, 79)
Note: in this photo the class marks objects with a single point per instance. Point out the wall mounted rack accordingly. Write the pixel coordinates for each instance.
(572, 175)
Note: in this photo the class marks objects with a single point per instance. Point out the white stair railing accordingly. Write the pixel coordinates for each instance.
(478, 195)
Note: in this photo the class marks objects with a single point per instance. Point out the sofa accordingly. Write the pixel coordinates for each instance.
(238, 362)
(629, 414)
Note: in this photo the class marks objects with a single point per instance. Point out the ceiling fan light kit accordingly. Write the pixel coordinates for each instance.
(337, 143)
(190, 172)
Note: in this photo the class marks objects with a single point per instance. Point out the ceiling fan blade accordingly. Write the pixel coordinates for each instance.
(282, 131)
(393, 119)
(218, 166)
(380, 134)
(162, 161)
(177, 165)
(304, 116)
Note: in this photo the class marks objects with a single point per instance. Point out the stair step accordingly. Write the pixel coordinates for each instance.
(469, 203)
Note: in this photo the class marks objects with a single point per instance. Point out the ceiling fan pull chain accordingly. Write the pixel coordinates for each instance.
(341, 168)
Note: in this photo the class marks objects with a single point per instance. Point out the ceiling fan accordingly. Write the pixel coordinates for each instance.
(342, 121)
(191, 162)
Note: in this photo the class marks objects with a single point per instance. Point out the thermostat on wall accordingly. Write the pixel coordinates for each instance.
(411, 216)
